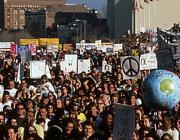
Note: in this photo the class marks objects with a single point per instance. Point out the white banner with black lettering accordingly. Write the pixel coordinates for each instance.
(148, 61)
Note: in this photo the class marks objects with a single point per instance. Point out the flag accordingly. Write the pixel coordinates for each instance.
(32, 48)
(13, 49)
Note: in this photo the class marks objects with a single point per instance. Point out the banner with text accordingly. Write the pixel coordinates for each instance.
(148, 61)
(124, 122)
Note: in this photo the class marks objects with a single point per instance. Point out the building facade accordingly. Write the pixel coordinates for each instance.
(14, 11)
(1, 14)
(35, 22)
(137, 15)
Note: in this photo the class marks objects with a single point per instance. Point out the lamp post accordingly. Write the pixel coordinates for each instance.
(77, 38)
(84, 24)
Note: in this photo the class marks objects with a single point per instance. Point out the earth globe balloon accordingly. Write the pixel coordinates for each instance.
(161, 90)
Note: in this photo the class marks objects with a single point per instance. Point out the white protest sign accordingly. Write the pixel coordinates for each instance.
(39, 68)
(70, 63)
(52, 48)
(148, 61)
(118, 47)
(130, 67)
(124, 122)
(5, 46)
(98, 43)
(106, 67)
(84, 65)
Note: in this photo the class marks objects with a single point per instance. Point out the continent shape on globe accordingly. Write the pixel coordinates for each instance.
(167, 86)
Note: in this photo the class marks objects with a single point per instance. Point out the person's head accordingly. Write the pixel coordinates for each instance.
(133, 99)
(13, 122)
(11, 84)
(178, 124)
(31, 130)
(2, 118)
(135, 135)
(69, 127)
(167, 122)
(147, 121)
(41, 122)
(166, 136)
(93, 109)
(12, 132)
(109, 119)
(59, 103)
(23, 84)
(114, 98)
(30, 104)
(88, 129)
(20, 109)
(50, 108)
(30, 117)
(51, 96)
(44, 79)
(6, 96)
(43, 112)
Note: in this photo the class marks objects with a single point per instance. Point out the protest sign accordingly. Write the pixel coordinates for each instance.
(124, 122)
(5, 46)
(165, 60)
(148, 61)
(106, 67)
(69, 64)
(130, 67)
(39, 68)
(84, 65)
(28, 42)
(118, 47)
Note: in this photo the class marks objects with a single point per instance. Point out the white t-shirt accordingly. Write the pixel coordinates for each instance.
(12, 91)
(173, 132)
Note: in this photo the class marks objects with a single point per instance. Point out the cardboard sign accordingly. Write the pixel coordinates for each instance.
(118, 47)
(106, 67)
(69, 64)
(39, 68)
(130, 67)
(84, 65)
(165, 60)
(148, 61)
(124, 122)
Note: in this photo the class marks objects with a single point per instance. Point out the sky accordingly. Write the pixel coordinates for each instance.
(93, 4)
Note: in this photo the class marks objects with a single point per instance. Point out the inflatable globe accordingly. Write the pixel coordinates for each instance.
(161, 90)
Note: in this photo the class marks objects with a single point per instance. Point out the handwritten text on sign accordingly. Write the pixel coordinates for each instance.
(124, 122)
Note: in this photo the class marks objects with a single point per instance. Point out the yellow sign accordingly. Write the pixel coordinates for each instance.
(48, 41)
(107, 44)
(67, 47)
(28, 41)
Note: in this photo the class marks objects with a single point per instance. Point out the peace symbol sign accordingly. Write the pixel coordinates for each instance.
(130, 66)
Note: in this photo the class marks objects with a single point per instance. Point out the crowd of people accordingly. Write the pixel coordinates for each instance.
(72, 106)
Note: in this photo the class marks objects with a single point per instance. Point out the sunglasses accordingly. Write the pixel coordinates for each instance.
(20, 108)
